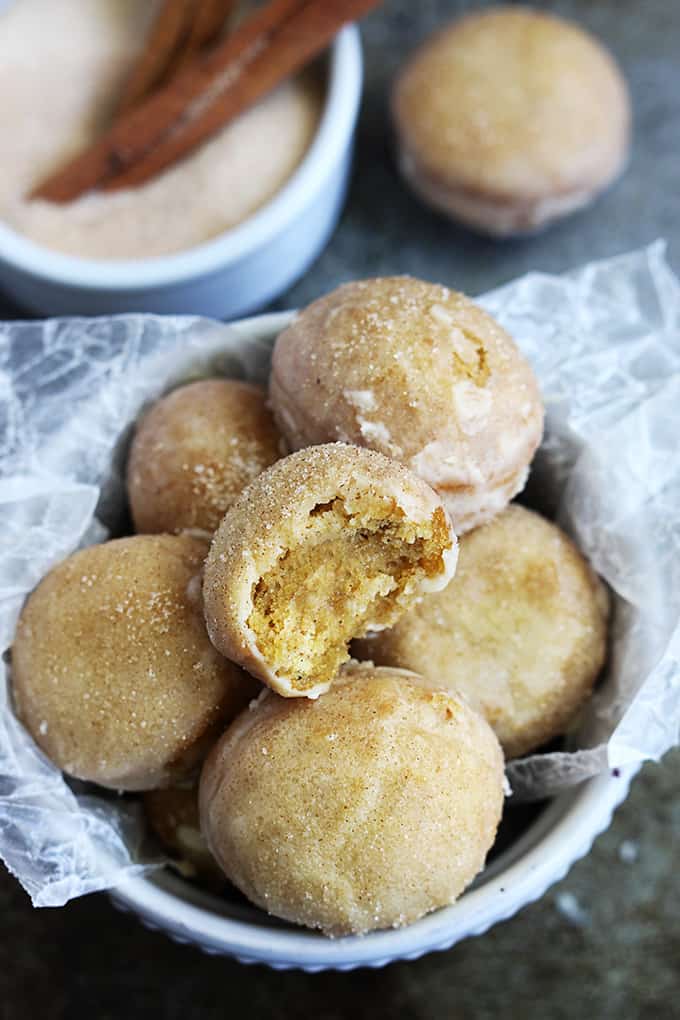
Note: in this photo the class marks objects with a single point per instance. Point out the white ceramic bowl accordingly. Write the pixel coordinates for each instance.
(541, 856)
(234, 273)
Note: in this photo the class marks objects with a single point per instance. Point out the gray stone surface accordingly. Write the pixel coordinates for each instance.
(386, 230)
(617, 954)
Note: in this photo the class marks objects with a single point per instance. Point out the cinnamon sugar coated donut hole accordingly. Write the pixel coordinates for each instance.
(510, 118)
(173, 816)
(365, 809)
(195, 451)
(520, 632)
(419, 373)
(113, 673)
(327, 544)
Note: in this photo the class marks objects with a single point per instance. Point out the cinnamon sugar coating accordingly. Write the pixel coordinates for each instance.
(510, 118)
(362, 810)
(195, 451)
(113, 673)
(327, 544)
(419, 373)
(520, 632)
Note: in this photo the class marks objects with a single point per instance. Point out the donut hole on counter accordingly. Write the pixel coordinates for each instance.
(352, 572)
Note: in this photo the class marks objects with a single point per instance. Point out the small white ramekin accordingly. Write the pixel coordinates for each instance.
(234, 273)
(562, 834)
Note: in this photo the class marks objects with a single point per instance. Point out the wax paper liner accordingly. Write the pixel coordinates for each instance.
(605, 343)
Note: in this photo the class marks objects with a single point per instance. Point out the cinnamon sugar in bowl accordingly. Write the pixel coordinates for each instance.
(220, 233)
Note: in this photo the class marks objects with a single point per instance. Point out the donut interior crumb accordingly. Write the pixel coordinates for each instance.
(356, 568)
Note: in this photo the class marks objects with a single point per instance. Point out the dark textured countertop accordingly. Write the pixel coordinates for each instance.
(611, 947)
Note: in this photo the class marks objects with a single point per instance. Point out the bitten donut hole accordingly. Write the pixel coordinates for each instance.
(355, 569)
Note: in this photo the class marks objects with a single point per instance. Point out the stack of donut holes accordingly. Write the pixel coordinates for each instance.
(332, 624)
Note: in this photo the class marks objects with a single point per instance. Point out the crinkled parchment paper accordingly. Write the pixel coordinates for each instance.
(605, 343)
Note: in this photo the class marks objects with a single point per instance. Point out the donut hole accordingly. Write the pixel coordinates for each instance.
(172, 814)
(521, 632)
(356, 568)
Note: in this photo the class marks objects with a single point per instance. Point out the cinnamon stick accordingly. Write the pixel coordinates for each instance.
(206, 28)
(164, 40)
(182, 28)
(274, 43)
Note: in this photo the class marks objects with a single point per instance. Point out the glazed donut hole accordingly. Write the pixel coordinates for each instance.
(329, 543)
(421, 374)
